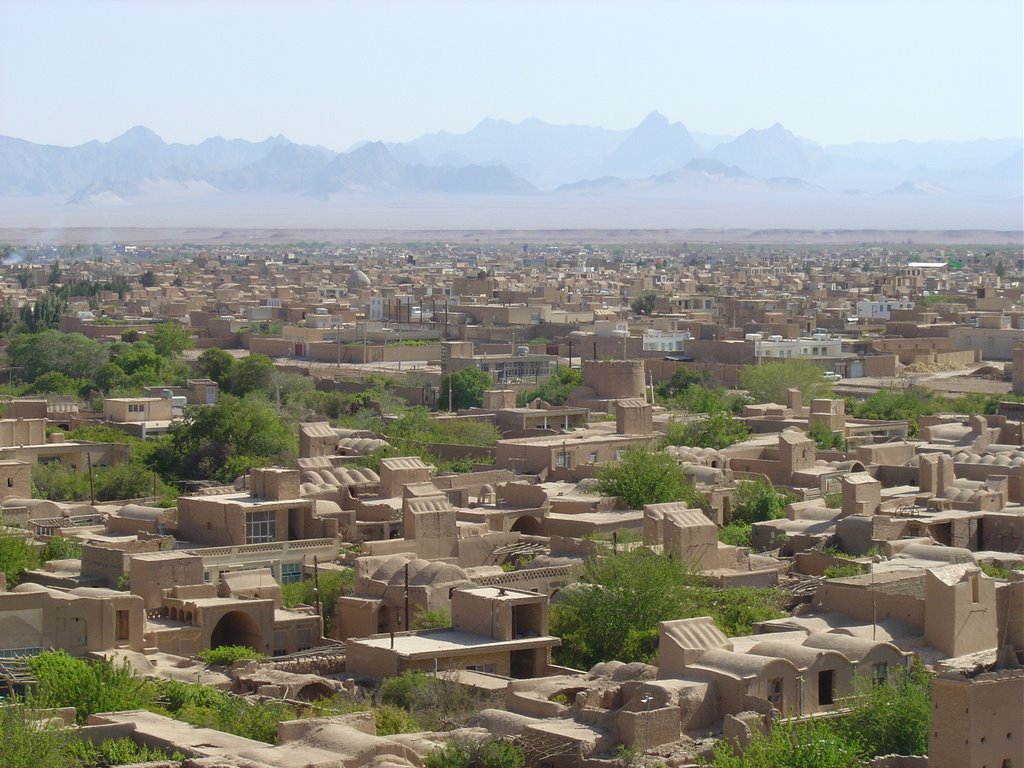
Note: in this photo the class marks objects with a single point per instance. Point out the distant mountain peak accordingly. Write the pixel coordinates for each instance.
(654, 118)
(138, 135)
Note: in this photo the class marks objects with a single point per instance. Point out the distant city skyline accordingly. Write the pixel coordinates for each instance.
(335, 74)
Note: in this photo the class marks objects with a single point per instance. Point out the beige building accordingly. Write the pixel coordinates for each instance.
(977, 721)
(35, 618)
(494, 629)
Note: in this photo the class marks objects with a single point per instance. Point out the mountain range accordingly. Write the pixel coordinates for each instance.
(531, 163)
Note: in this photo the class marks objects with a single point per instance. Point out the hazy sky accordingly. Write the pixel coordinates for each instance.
(334, 73)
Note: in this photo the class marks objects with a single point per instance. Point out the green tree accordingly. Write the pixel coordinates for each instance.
(556, 389)
(57, 383)
(148, 279)
(74, 355)
(644, 303)
(59, 548)
(681, 380)
(825, 440)
(614, 611)
(892, 719)
(111, 376)
(758, 500)
(216, 364)
(88, 686)
(170, 339)
(717, 430)
(16, 556)
(768, 382)
(31, 740)
(644, 476)
(217, 441)
(467, 386)
(332, 585)
(254, 373)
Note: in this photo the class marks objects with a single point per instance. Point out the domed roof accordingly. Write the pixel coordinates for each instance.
(358, 279)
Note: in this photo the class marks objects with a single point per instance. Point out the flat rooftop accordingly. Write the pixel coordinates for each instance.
(446, 643)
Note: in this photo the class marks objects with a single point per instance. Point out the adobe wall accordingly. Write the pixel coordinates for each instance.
(858, 603)
(977, 722)
(614, 378)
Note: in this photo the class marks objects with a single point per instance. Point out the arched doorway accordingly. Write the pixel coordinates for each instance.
(237, 628)
(530, 526)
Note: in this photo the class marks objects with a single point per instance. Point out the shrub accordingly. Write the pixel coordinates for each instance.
(121, 751)
(30, 742)
(644, 476)
(332, 584)
(59, 548)
(460, 753)
(736, 534)
(389, 719)
(88, 686)
(16, 556)
(758, 500)
(226, 655)
(431, 620)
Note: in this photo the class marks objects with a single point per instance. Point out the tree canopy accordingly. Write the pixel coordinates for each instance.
(615, 610)
(556, 389)
(226, 439)
(644, 303)
(644, 476)
(769, 381)
(74, 355)
(467, 385)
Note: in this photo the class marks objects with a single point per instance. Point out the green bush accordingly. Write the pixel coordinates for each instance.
(758, 500)
(88, 686)
(29, 742)
(842, 571)
(459, 753)
(800, 745)
(555, 390)
(389, 720)
(59, 548)
(111, 752)
(226, 655)
(434, 702)
(615, 610)
(431, 620)
(736, 534)
(332, 584)
(16, 556)
(644, 476)
(717, 430)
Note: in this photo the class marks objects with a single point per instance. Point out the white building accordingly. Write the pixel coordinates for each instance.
(881, 309)
(821, 345)
(665, 341)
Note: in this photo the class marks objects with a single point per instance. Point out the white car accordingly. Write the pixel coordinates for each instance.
(832, 376)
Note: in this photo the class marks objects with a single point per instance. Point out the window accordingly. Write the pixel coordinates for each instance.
(775, 692)
(593, 457)
(879, 672)
(561, 459)
(260, 527)
(136, 407)
(487, 668)
(291, 572)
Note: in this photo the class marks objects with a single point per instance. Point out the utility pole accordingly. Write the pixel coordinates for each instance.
(88, 462)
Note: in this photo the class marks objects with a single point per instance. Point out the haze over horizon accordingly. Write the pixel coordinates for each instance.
(336, 74)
